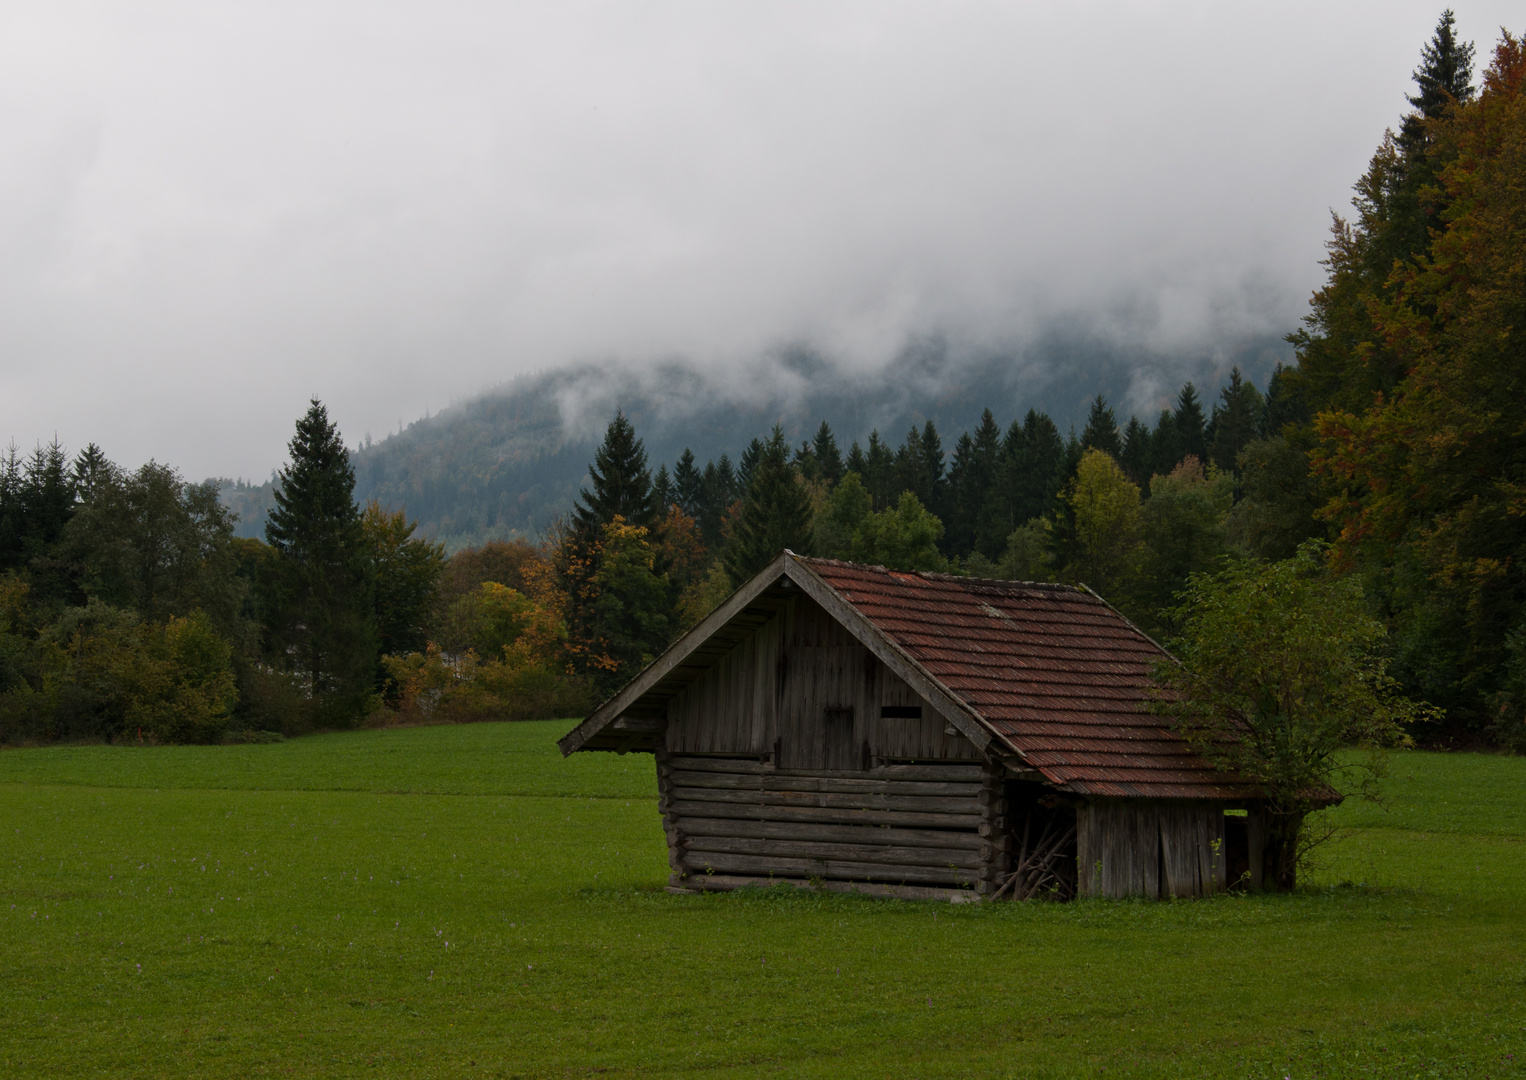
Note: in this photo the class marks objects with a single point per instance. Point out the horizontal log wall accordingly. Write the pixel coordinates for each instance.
(904, 825)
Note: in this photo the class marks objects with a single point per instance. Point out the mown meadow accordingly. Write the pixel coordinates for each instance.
(459, 901)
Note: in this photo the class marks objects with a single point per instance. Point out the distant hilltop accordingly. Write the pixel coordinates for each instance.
(504, 464)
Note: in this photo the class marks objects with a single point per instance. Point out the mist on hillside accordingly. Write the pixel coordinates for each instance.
(505, 463)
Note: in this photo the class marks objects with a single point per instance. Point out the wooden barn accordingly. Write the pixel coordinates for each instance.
(924, 735)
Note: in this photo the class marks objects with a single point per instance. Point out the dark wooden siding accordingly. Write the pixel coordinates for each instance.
(737, 821)
(803, 693)
(1152, 849)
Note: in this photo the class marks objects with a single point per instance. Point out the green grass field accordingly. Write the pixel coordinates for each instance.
(459, 901)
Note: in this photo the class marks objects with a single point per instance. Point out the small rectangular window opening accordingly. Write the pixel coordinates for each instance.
(900, 712)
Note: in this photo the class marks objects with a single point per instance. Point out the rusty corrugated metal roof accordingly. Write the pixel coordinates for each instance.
(1054, 672)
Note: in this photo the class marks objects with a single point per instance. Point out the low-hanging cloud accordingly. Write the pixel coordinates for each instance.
(210, 212)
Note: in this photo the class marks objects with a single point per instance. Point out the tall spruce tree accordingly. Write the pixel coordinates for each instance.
(828, 456)
(748, 462)
(687, 482)
(879, 472)
(964, 496)
(662, 492)
(919, 467)
(621, 483)
(776, 513)
(1237, 420)
(856, 462)
(1101, 431)
(1165, 444)
(319, 613)
(1191, 426)
(1444, 79)
(717, 491)
(971, 479)
(1136, 455)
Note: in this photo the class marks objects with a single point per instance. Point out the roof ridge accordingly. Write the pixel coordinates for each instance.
(938, 575)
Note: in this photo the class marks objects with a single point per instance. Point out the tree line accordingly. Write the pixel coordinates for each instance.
(129, 611)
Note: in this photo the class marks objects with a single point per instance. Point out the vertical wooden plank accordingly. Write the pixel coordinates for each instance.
(1088, 870)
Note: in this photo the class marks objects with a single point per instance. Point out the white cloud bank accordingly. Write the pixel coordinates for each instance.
(209, 212)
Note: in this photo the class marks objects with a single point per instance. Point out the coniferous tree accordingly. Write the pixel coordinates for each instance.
(49, 497)
(776, 513)
(1165, 444)
(987, 459)
(687, 481)
(1191, 426)
(1047, 466)
(12, 510)
(662, 492)
(1343, 358)
(971, 476)
(718, 490)
(1101, 432)
(828, 457)
(805, 462)
(1445, 78)
(320, 619)
(919, 466)
(91, 469)
(879, 472)
(1237, 420)
(1000, 515)
(1416, 200)
(963, 499)
(747, 463)
(1282, 405)
(856, 462)
(1136, 456)
(621, 482)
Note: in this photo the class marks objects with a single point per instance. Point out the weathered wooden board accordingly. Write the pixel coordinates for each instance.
(727, 882)
(699, 862)
(682, 809)
(810, 849)
(798, 781)
(956, 772)
(835, 800)
(848, 834)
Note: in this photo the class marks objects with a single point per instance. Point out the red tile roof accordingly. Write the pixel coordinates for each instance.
(1054, 672)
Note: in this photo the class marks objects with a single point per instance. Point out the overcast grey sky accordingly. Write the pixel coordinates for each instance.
(209, 212)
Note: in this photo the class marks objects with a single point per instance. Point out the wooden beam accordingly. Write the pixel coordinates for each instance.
(834, 800)
(805, 782)
(698, 863)
(859, 853)
(966, 773)
(728, 882)
(851, 834)
(683, 809)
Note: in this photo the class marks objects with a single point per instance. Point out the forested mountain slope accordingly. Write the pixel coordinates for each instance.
(505, 463)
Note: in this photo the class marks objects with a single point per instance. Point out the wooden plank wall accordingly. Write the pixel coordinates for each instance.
(733, 821)
(1153, 849)
(804, 693)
